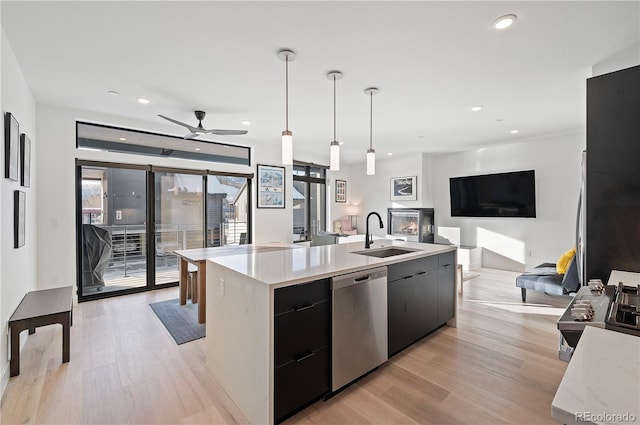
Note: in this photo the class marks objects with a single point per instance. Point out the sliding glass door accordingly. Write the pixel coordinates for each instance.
(131, 219)
(228, 208)
(113, 230)
(179, 221)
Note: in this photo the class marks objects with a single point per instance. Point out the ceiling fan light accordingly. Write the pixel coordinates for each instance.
(371, 162)
(334, 153)
(287, 148)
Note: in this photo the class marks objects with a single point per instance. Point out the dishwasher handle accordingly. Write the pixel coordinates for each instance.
(346, 280)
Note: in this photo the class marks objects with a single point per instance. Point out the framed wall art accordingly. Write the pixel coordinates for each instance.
(341, 191)
(270, 186)
(19, 218)
(404, 188)
(11, 146)
(25, 160)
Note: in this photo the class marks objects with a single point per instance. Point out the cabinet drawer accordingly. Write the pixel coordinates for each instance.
(300, 296)
(301, 382)
(298, 332)
(447, 259)
(411, 268)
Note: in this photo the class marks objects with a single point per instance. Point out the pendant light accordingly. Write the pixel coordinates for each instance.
(287, 137)
(371, 153)
(334, 153)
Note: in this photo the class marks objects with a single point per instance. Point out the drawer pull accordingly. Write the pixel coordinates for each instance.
(306, 356)
(446, 265)
(304, 307)
(420, 273)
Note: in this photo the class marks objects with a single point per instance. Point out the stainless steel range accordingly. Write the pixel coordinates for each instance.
(571, 327)
(624, 314)
(614, 306)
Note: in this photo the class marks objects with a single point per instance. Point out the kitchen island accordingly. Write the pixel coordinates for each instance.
(262, 307)
(601, 383)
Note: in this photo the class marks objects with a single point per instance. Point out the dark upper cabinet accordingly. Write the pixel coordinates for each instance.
(613, 173)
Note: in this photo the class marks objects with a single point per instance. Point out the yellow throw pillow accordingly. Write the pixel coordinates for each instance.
(564, 260)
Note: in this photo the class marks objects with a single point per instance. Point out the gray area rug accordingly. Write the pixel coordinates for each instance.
(180, 320)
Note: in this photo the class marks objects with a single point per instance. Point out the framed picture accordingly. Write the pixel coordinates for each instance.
(404, 188)
(341, 191)
(270, 186)
(11, 146)
(19, 217)
(25, 160)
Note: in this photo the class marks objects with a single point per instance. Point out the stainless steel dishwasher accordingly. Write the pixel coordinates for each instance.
(359, 324)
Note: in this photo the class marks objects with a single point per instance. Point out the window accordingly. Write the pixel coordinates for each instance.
(309, 200)
(112, 139)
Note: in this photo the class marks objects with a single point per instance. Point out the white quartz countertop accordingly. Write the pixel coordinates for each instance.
(602, 382)
(291, 266)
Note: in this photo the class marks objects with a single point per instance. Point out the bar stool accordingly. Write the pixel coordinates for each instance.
(192, 283)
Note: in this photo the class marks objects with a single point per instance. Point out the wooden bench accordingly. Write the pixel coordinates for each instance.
(41, 308)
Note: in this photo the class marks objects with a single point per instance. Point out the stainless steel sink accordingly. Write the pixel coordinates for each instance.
(385, 252)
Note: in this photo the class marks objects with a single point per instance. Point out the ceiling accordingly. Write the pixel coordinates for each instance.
(432, 62)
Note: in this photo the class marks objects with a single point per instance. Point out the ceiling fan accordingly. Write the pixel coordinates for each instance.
(199, 130)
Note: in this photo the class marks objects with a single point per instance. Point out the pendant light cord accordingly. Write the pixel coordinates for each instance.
(334, 108)
(371, 122)
(286, 85)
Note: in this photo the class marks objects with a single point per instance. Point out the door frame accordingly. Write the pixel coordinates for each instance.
(150, 219)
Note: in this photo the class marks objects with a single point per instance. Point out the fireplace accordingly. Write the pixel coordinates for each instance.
(411, 224)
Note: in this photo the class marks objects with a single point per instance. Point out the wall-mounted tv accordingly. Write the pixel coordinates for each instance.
(494, 195)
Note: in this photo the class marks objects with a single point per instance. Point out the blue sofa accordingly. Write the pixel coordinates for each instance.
(545, 278)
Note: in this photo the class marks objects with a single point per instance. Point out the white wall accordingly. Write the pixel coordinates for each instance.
(622, 59)
(56, 190)
(17, 266)
(517, 243)
(509, 243)
(373, 192)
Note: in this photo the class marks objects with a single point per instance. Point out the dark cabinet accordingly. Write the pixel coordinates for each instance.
(446, 287)
(302, 335)
(420, 296)
(400, 317)
(612, 174)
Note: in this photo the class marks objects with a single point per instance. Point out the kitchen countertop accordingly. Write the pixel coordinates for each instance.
(602, 382)
(289, 267)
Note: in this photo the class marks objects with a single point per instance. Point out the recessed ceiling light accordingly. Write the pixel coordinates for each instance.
(245, 122)
(113, 92)
(123, 139)
(477, 108)
(142, 100)
(504, 22)
(389, 154)
(515, 131)
(197, 149)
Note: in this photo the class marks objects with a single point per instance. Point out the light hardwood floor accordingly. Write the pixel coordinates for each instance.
(499, 366)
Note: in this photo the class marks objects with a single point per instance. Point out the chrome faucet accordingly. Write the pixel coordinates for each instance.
(367, 242)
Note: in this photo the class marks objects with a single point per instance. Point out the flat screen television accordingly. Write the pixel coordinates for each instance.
(494, 195)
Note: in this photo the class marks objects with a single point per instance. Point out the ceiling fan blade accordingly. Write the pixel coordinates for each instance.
(227, 132)
(191, 129)
(191, 135)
